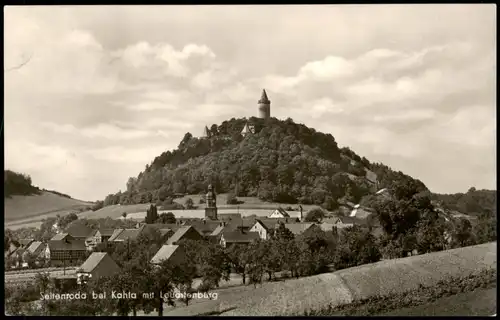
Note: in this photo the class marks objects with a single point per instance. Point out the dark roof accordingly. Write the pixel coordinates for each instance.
(106, 232)
(179, 234)
(271, 223)
(172, 226)
(95, 259)
(79, 230)
(26, 242)
(229, 216)
(69, 245)
(126, 234)
(263, 97)
(164, 232)
(240, 237)
(298, 228)
(202, 226)
(115, 234)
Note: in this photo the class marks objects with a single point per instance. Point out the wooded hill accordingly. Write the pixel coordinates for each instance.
(281, 162)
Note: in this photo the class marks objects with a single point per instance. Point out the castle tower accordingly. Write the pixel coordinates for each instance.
(211, 201)
(264, 106)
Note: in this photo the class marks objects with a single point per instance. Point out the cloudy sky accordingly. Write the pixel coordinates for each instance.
(92, 94)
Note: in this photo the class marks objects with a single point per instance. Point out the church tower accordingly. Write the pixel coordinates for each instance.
(211, 202)
(264, 106)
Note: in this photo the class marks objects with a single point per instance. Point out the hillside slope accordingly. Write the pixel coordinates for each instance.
(340, 287)
(37, 207)
(282, 162)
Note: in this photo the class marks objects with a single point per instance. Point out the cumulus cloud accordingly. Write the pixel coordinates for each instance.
(110, 97)
(104, 130)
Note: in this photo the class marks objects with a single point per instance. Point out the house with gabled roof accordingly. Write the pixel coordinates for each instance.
(79, 231)
(64, 249)
(37, 250)
(169, 252)
(204, 227)
(97, 265)
(122, 235)
(247, 129)
(279, 213)
(25, 243)
(229, 238)
(302, 228)
(185, 233)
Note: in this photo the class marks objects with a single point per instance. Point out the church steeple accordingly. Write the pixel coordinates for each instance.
(264, 106)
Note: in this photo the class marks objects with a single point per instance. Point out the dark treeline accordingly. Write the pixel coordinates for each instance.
(18, 184)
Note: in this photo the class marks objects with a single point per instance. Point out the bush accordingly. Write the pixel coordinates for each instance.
(231, 199)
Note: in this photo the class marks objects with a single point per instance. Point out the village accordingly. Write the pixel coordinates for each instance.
(78, 242)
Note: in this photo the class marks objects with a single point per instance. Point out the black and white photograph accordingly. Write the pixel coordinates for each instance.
(250, 160)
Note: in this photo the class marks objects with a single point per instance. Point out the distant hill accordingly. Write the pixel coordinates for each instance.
(25, 202)
(37, 207)
(474, 202)
(282, 162)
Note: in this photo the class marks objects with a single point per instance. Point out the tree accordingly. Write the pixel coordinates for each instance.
(189, 203)
(214, 265)
(151, 214)
(315, 215)
(239, 258)
(282, 233)
(356, 246)
(168, 217)
(231, 199)
(485, 229)
(462, 235)
(124, 215)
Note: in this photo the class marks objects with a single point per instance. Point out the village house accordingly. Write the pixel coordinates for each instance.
(341, 221)
(122, 235)
(25, 243)
(103, 235)
(279, 213)
(168, 252)
(264, 228)
(98, 264)
(64, 249)
(79, 231)
(229, 238)
(185, 233)
(361, 212)
(205, 227)
(37, 250)
(13, 247)
(97, 237)
(302, 228)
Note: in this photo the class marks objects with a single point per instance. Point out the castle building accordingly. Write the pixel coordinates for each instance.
(206, 133)
(247, 129)
(264, 106)
(211, 201)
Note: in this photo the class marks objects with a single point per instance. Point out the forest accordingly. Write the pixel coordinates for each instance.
(281, 162)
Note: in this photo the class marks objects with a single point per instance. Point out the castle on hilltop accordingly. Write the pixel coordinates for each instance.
(264, 113)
